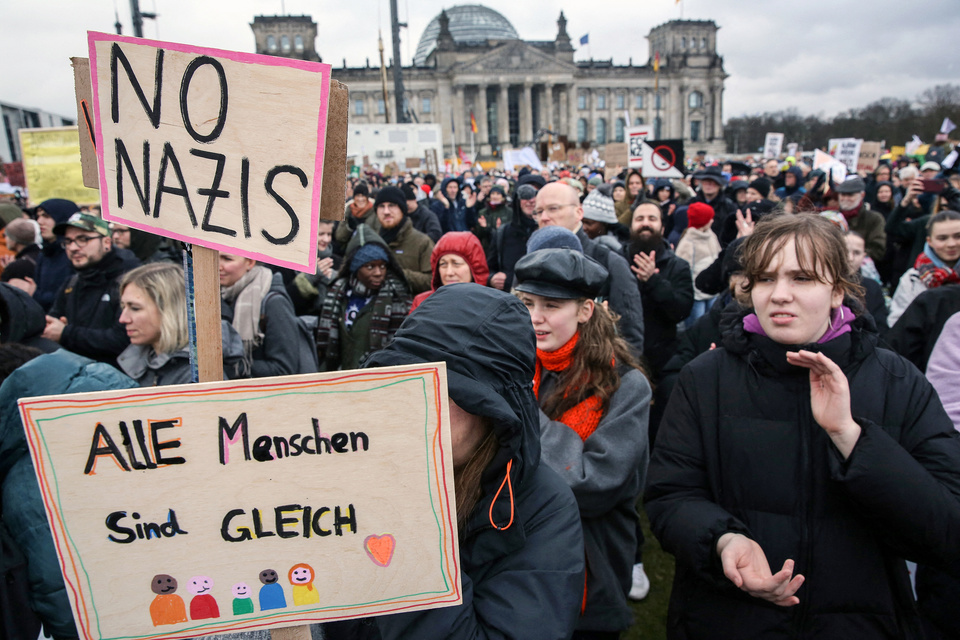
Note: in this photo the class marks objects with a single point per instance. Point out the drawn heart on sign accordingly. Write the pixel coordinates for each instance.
(380, 548)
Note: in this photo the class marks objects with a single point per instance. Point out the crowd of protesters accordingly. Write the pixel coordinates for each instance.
(746, 346)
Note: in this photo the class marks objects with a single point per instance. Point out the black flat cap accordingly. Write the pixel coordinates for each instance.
(560, 273)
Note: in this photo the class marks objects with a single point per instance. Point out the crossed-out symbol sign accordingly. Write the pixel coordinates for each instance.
(663, 157)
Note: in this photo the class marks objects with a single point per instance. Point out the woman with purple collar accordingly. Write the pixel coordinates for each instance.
(799, 464)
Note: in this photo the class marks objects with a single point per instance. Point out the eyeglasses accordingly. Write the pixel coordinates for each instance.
(80, 241)
(552, 209)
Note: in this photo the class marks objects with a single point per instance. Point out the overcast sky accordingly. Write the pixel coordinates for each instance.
(818, 56)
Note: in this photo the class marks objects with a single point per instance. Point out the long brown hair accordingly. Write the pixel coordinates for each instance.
(467, 479)
(594, 365)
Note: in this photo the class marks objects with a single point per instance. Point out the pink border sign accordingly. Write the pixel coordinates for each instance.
(247, 58)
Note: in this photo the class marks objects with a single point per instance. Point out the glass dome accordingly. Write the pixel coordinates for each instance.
(469, 23)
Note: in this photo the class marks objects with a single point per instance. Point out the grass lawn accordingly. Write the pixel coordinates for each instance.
(650, 615)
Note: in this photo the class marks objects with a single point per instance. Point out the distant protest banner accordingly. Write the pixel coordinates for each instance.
(846, 150)
(636, 136)
(217, 148)
(833, 167)
(773, 145)
(615, 154)
(209, 508)
(51, 165)
(869, 157)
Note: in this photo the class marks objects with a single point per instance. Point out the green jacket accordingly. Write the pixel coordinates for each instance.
(412, 251)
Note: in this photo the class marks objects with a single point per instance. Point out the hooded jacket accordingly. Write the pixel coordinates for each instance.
(458, 216)
(375, 324)
(526, 579)
(411, 249)
(463, 244)
(739, 451)
(91, 303)
(53, 266)
(57, 373)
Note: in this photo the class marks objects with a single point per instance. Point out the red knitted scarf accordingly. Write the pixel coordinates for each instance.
(585, 416)
(932, 275)
(359, 212)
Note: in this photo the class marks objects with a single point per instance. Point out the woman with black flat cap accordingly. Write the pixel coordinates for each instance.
(594, 406)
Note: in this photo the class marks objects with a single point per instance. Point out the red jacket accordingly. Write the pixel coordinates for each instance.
(467, 246)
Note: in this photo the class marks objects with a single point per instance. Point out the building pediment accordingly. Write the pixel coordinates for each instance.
(514, 56)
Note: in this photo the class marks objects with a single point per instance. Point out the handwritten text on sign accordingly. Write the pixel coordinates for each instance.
(224, 506)
(217, 148)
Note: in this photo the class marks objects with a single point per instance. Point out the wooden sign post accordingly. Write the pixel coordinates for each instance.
(188, 510)
(227, 151)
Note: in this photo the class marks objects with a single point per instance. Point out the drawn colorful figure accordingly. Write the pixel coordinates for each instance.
(301, 577)
(271, 593)
(242, 603)
(167, 607)
(203, 605)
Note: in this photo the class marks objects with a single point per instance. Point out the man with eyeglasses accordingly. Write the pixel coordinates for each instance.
(85, 316)
(559, 204)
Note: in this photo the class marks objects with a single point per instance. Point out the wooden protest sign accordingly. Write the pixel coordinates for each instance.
(615, 154)
(557, 153)
(51, 165)
(869, 156)
(220, 149)
(84, 94)
(190, 510)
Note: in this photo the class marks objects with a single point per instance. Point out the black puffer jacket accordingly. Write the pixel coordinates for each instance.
(739, 451)
(525, 581)
(509, 243)
(90, 301)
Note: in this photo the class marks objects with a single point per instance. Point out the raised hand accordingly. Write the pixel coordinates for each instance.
(829, 398)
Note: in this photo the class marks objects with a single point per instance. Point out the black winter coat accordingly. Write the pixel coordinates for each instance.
(739, 451)
(22, 320)
(525, 580)
(916, 331)
(509, 243)
(91, 303)
(667, 299)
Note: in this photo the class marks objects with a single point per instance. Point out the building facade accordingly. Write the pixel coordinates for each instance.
(471, 65)
(15, 118)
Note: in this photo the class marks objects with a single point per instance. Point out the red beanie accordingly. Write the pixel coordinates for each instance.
(699, 214)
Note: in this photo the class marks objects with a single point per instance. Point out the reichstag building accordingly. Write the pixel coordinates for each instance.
(471, 60)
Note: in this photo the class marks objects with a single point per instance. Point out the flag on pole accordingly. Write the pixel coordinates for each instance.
(473, 123)
(585, 39)
(453, 123)
(656, 61)
(947, 126)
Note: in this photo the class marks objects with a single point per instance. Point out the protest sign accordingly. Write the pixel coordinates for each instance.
(575, 157)
(635, 139)
(558, 152)
(772, 145)
(869, 156)
(221, 149)
(792, 149)
(662, 159)
(515, 158)
(84, 96)
(209, 508)
(846, 150)
(51, 165)
(833, 167)
(615, 154)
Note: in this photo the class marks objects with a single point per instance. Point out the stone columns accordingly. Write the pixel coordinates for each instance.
(460, 135)
(572, 113)
(503, 115)
(564, 103)
(483, 137)
(526, 114)
(677, 106)
(548, 104)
